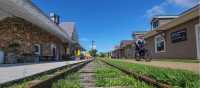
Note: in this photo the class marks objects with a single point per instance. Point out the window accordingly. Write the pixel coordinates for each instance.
(159, 44)
(155, 24)
(36, 49)
(178, 36)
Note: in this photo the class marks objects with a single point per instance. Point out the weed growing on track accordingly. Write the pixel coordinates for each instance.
(107, 76)
(25, 82)
(70, 81)
(176, 78)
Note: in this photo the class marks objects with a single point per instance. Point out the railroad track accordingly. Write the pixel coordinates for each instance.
(136, 75)
(86, 72)
(53, 76)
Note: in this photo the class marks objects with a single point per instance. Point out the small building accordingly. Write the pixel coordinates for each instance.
(127, 50)
(28, 35)
(175, 36)
(124, 50)
(115, 52)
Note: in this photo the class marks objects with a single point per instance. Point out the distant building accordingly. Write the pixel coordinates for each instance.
(115, 52)
(125, 49)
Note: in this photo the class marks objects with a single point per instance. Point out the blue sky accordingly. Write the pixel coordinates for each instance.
(110, 21)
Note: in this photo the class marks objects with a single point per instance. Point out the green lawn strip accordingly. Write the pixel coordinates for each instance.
(69, 81)
(107, 76)
(176, 78)
(180, 60)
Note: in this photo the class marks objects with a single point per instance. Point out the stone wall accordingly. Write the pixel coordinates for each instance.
(23, 35)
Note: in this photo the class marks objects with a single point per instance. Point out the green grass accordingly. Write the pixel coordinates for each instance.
(25, 82)
(70, 81)
(180, 60)
(176, 78)
(107, 76)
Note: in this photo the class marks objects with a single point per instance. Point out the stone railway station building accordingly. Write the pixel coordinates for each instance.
(28, 35)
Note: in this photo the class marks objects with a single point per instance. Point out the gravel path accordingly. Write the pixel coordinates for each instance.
(194, 67)
(87, 73)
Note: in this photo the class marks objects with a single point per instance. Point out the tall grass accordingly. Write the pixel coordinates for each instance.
(25, 82)
(176, 78)
(70, 81)
(107, 76)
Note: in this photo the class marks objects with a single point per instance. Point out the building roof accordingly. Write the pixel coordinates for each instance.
(184, 17)
(139, 33)
(69, 28)
(125, 43)
(25, 9)
(165, 16)
(155, 18)
(117, 47)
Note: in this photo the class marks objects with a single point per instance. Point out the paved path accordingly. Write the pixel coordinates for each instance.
(17, 71)
(194, 67)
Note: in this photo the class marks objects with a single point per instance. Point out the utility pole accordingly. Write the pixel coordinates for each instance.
(93, 50)
(93, 45)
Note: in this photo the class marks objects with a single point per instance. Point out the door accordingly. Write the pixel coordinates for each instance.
(55, 56)
(198, 40)
(1, 57)
(55, 52)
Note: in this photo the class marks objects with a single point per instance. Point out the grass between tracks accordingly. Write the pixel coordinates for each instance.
(176, 78)
(70, 81)
(25, 82)
(107, 76)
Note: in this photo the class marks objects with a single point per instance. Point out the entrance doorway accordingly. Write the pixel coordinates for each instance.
(54, 52)
(198, 40)
(1, 57)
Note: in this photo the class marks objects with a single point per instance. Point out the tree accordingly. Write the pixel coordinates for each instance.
(93, 52)
(101, 54)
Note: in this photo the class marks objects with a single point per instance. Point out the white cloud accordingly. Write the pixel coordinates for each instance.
(161, 8)
(156, 10)
(184, 3)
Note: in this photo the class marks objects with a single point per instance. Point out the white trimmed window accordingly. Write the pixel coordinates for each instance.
(160, 44)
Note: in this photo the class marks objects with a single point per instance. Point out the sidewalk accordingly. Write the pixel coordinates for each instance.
(17, 71)
(194, 67)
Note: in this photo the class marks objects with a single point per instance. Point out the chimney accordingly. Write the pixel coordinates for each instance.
(55, 18)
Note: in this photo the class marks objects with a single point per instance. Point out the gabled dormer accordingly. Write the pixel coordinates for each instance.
(158, 21)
